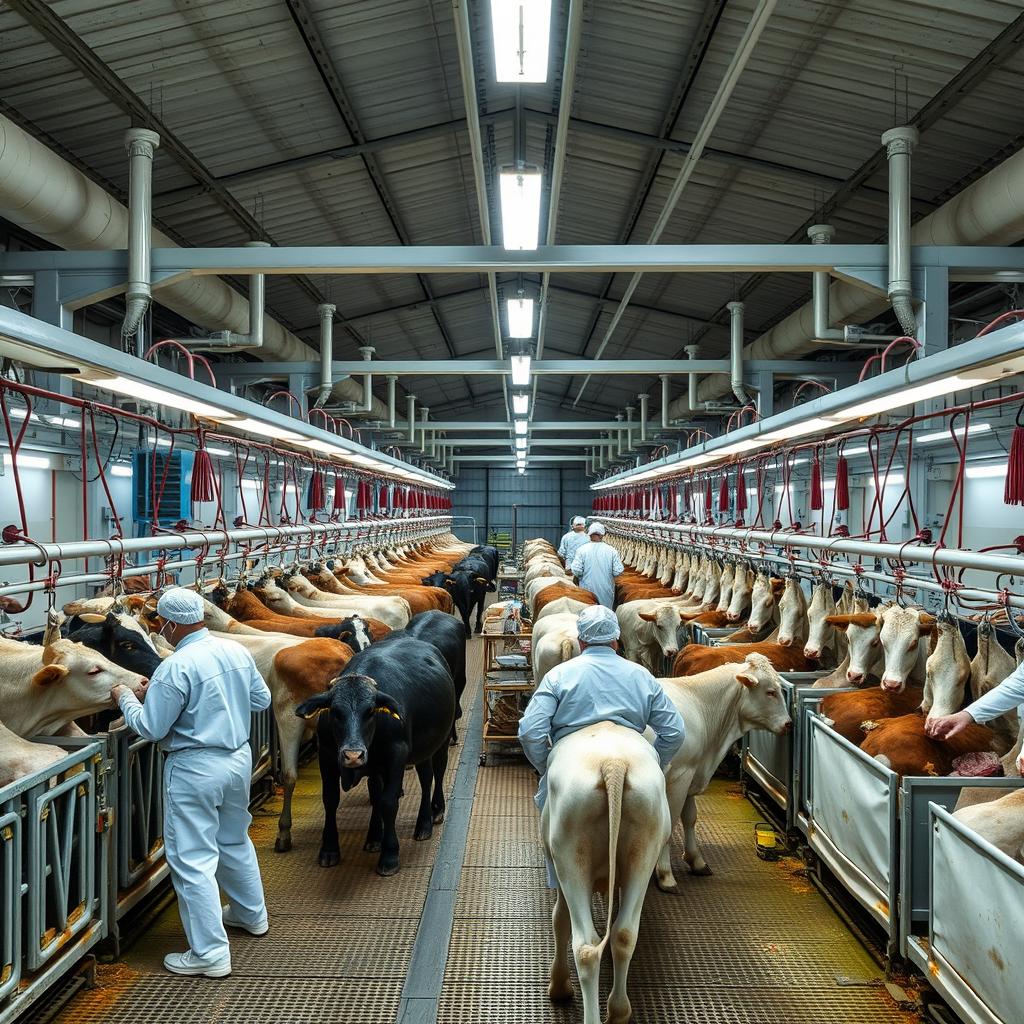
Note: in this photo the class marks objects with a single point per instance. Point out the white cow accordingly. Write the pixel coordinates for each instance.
(1000, 821)
(44, 689)
(603, 825)
(649, 631)
(555, 639)
(718, 707)
(865, 659)
(560, 606)
(392, 611)
(20, 757)
(901, 631)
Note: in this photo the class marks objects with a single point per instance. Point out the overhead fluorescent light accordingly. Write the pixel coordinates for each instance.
(520, 371)
(120, 470)
(860, 450)
(261, 428)
(521, 30)
(29, 461)
(812, 426)
(521, 428)
(519, 191)
(316, 445)
(980, 472)
(944, 435)
(921, 393)
(521, 443)
(520, 318)
(522, 470)
(18, 413)
(742, 446)
(251, 485)
(141, 391)
(220, 452)
(521, 404)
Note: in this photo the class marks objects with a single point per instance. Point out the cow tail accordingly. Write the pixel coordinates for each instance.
(567, 650)
(614, 774)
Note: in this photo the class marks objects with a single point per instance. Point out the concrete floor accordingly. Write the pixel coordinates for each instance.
(753, 943)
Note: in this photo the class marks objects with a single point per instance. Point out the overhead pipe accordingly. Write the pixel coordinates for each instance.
(424, 413)
(42, 193)
(392, 381)
(367, 351)
(630, 409)
(736, 353)
(756, 24)
(326, 311)
(141, 143)
(899, 144)
(644, 399)
(410, 412)
(692, 352)
(228, 341)
(821, 280)
(621, 434)
(665, 401)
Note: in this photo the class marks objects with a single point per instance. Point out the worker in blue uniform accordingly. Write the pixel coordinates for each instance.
(1007, 696)
(596, 565)
(597, 686)
(572, 540)
(198, 707)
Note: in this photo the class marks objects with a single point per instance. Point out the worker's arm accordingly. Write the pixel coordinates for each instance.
(563, 548)
(535, 726)
(1000, 699)
(617, 567)
(259, 692)
(165, 699)
(577, 562)
(667, 723)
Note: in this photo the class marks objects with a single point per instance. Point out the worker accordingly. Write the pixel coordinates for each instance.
(595, 566)
(1007, 696)
(198, 708)
(597, 686)
(571, 541)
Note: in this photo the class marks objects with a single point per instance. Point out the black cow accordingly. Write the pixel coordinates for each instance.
(490, 554)
(352, 631)
(393, 706)
(481, 582)
(462, 588)
(443, 632)
(118, 643)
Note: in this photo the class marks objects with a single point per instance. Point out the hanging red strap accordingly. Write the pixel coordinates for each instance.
(842, 484)
(723, 494)
(817, 499)
(741, 491)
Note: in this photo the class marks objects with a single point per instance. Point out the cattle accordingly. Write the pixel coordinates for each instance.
(864, 660)
(391, 707)
(44, 689)
(20, 757)
(420, 598)
(551, 594)
(989, 667)
(901, 630)
(123, 644)
(445, 635)
(1000, 822)
(649, 632)
(821, 633)
(847, 712)
(555, 639)
(604, 823)
(465, 592)
(299, 595)
(902, 745)
(718, 707)
(561, 606)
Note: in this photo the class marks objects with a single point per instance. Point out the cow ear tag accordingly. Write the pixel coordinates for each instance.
(387, 711)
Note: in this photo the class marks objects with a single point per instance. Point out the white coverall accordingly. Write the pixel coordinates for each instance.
(597, 564)
(1007, 696)
(198, 709)
(570, 544)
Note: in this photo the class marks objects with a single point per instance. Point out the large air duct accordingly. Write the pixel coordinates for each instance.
(736, 352)
(44, 194)
(141, 143)
(899, 144)
(989, 212)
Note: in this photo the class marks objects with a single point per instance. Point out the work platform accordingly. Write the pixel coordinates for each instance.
(462, 934)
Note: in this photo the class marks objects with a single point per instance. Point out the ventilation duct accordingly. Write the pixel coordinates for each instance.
(141, 144)
(899, 144)
(736, 352)
(989, 212)
(44, 194)
(326, 311)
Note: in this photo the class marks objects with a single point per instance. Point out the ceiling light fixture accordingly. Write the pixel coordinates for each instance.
(944, 435)
(520, 371)
(521, 30)
(158, 396)
(120, 470)
(980, 472)
(520, 404)
(29, 461)
(519, 191)
(520, 428)
(520, 318)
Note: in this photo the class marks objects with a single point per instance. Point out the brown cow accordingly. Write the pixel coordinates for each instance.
(696, 658)
(847, 711)
(902, 745)
(557, 590)
(420, 598)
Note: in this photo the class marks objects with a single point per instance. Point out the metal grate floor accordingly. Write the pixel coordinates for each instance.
(752, 944)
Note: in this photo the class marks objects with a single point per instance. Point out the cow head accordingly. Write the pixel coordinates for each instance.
(742, 585)
(864, 643)
(276, 599)
(726, 586)
(123, 644)
(901, 633)
(665, 624)
(820, 631)
(792, 613)
(355, 632)
(84, 677)
(762, 702)
(947, 672)
(763, 595)
(356, 709)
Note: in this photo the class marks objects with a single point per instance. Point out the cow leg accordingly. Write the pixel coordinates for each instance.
(560, 987)
(330, 792)
(424, 823)
(289, 733)
(391, 791)
(691, 848)
(678, 785)
(375, 830)
(439, 763)
(585, 952)
(480, 612)
(623, 942)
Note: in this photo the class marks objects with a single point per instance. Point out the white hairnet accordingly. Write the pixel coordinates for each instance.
(597, 625)
(185, 607)
(578, 521)
(597, 528)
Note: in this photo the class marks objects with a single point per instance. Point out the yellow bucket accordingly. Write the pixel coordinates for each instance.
(765, 840)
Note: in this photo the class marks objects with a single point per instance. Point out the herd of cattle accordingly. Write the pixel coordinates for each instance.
(905, 664)
(369, 640)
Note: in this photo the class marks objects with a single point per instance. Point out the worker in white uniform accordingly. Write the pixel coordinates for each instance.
(1007, 696)
(596, 686)
(197, 708)
(596, 565)
(572, 541)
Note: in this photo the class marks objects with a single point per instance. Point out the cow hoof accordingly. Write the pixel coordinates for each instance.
(386, 870)
(701, 872)
(372, 846)
(560, 993)
(438, 817)
(283, 844)
(423, 834)
(667, 886)
(329, 859)
(479, 630)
